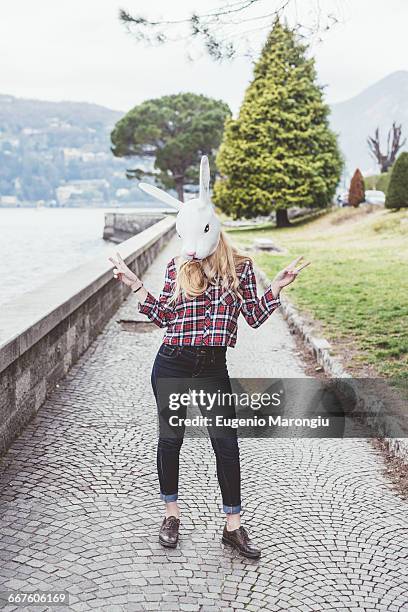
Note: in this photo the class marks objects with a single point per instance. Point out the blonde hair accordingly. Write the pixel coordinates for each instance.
(194, 276)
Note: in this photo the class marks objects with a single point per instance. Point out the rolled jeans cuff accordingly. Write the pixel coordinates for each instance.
(231, 509)
(168, 498)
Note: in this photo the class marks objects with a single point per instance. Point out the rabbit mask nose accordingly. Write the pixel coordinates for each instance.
(191, 254)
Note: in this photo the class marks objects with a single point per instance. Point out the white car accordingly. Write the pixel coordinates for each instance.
(375, 197)
(342, 199)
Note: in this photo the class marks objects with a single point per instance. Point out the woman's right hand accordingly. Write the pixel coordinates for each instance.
(123, 273)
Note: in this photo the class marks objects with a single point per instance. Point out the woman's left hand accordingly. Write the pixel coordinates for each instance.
(288, 274)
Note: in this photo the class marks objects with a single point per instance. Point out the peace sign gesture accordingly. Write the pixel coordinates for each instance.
(288, 274)
(123, 273)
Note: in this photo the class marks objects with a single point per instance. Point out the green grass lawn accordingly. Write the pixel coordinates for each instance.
(356, 285)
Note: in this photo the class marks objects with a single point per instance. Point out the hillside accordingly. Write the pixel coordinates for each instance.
(59, 152)
(377, 106)
(18, 113)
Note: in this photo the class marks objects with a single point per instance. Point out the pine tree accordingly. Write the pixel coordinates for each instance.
(279, 152)
(176, 131)
(357, 189)
(397, 193)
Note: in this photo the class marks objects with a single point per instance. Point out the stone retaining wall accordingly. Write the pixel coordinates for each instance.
(121, 226)
(45, 331)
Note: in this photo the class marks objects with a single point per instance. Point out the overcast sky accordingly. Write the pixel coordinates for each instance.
(78, 50)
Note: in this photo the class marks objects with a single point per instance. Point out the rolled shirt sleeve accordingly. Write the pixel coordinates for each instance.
(256, 310)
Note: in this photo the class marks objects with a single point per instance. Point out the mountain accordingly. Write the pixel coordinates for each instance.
(356, 119)
(18, 113)
(59, 153)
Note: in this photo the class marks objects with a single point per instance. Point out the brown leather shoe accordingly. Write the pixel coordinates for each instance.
(241, 541)
(169, 532)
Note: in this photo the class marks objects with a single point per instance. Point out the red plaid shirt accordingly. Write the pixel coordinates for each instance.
(212, 317)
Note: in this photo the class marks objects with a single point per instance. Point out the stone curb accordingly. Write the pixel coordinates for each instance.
(371, 407)
(320, 347)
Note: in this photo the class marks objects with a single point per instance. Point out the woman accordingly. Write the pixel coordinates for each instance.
(205, 290)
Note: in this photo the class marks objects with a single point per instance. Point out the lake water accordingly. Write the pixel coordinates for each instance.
(37, 245)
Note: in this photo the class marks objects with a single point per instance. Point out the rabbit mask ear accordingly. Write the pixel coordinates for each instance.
(161, 195)
(205, 180)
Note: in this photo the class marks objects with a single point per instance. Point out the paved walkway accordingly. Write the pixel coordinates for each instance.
(80, 508)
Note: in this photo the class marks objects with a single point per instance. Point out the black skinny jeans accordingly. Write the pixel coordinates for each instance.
(207, 363)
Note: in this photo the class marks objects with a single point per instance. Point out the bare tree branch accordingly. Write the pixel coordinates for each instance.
(394, 145)
(222, 30)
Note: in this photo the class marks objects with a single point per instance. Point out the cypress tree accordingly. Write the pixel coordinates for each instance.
(357, 189)
(397, 193)
(280, 151)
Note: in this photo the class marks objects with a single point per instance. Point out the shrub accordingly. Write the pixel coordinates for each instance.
(357, 189)
(378, 181)
(397, 195)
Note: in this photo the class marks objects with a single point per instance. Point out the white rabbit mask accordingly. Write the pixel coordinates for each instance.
(197, 224)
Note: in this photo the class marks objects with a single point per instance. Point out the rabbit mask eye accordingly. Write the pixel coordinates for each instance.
(207, 228)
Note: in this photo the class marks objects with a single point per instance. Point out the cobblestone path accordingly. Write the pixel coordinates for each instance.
(80, 510)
